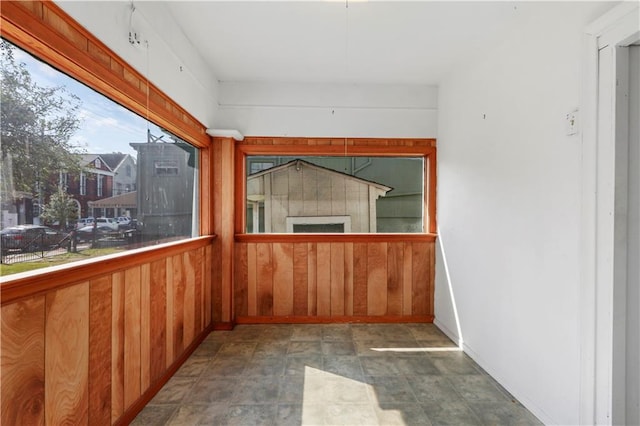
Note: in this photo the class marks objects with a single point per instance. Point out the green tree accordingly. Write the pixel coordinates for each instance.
(61, 208)
(36, 123)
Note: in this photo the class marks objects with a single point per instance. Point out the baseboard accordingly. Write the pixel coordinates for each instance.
(346, 319)
(223, 326)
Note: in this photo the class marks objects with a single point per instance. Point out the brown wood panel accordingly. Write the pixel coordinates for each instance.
(241, 295)
(337, 279)
(179, 284)
(198, 325)
(22, 362)
(360, 288)
(407, 279)
(264, 278)
(66, 392)
(117, 345)
(300, 279)
(323, 273)
(420, 284)
(100, 301)
(312, 278)
(208, 285)
(145, 326)
(348, 279)
(252, 280)
(189, 260)
(282, 279)
(132, 367)
(216, 281)
(395, 263)
(377, 279)
(169, 284)
(158, 322)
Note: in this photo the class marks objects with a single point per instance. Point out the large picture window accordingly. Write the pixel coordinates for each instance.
(335, 194)
(70, 150)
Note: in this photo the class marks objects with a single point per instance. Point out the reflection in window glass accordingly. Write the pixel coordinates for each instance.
(71, 156)
(335, 194)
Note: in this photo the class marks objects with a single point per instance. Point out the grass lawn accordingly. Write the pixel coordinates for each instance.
(15, 268)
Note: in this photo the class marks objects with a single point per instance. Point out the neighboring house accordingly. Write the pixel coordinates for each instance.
(165, 203)
(124, 169)
(120, 205)
(94, 182)
(299, 196)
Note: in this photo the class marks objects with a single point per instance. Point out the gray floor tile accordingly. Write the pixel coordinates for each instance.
(398, 414)
(244, 415)
(390, 389)
(454, 413)
(503, 413)
(154, 415)
(329, 374)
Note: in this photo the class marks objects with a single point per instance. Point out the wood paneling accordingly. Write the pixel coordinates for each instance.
(303, 281)
(94, 352)
(22, 366)
(66, 364)
(100, 303)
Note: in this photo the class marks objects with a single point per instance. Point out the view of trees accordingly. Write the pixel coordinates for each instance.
(61, 208)
(37, 124)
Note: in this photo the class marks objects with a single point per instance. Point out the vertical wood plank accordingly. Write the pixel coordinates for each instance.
(323, 283)
(145, 326)
(241, 296)
(197, 319)
(252, 280)
(395, 263)
(216, 285)
(158, 313)
(188, 259)
(360, 279)
(348, 279)
(22, 367)
(282, 279)
(67, 371)
(117, 345)
(132, 368)
(100, 301)
(178, 305)
(420, 271)
(264, 275)
(300, 279)
(407, 279)
(377, 278)
(169, 314)
(208, 286)
(337, 279)
(312, 282)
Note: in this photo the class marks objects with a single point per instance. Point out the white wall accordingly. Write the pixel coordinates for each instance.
(509, 210)
(170, 62)
(323, 110)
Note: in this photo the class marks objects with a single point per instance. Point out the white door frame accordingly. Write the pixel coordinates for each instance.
(619, 27)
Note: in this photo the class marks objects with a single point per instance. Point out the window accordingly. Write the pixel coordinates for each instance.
(336, 193)
(79, 126)
(83, 184)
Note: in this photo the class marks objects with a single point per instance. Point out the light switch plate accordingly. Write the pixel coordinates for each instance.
(572, 122)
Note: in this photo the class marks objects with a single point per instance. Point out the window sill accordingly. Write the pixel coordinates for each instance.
(333, 238)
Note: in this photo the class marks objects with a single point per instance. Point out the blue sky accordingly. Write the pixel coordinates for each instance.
(104, 125)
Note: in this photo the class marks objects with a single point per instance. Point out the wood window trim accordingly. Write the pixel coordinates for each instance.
(382, 147)
(43, 29)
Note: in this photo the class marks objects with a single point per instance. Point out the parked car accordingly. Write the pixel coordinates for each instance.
(29, 238)
(86, 233)
(107, 221)
(85, 221)
(123, 220)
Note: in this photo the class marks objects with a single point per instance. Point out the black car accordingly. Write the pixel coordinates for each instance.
(29, 238)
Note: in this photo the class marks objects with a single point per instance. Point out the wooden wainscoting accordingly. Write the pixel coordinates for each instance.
(95, 351)
(331, 279)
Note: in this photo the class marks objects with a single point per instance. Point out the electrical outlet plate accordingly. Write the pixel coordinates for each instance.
(572, 123)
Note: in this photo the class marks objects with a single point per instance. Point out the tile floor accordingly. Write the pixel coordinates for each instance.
(334, 374)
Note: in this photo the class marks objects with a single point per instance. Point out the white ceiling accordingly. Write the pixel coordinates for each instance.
(377, 42)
